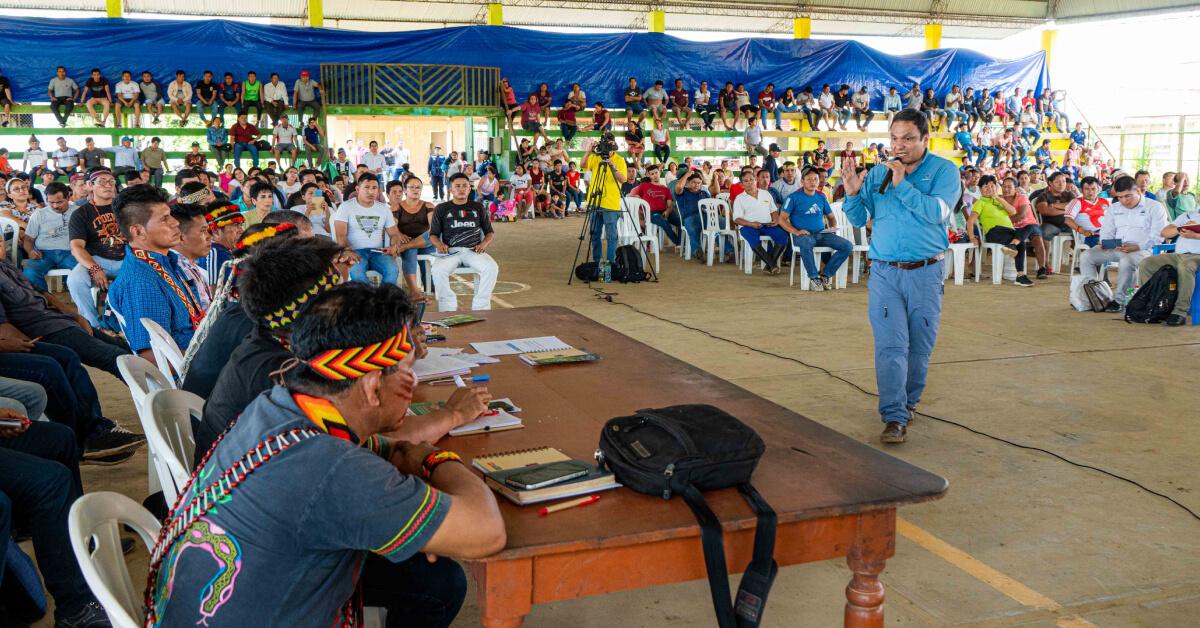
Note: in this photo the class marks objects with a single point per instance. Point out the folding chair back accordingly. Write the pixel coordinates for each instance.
(98, 517)
(169, 435)
(166, 352)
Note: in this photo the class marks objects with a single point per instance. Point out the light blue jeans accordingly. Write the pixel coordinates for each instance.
(806, 243)
(79, 284)
(408, 258)
(31, 396)
(905, 308)
(36, 269)
(381, 263)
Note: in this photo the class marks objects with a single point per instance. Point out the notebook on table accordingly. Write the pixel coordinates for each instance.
(563, 356)
(496, 467)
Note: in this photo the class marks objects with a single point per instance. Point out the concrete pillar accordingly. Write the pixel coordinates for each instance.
(114, 8)
(1048, 37)
(495, 14)
(656, 22)
(933, 36)
(802, 28)
(316, 13)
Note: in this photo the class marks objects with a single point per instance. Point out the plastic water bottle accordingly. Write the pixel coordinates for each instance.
(607, 272)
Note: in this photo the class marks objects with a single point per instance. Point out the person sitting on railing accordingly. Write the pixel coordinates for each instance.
(6, 101)
(1079, 136)
(860, 104)
(786, 104)
(128, 96)
(307, 94)
(179, 94)
(601, 119)
(679, 105)
(284, 139)
(245, 138)
(963, 142)
(841, 103)
(744, 104)
(96, 91)
(544, 101)
(251, 97)
(1029, 125)
(705, 105)
(62, 92)
(530, 113)
(828, 109)
(1042, 155)
(929, 107)
(914, 98)
(768, 105)
(727, 104)
(275, 98)
(1058, 100)
(66, 159)
(892, 103)
(754, 137)
(229, 96)
(656, 102)
(634, 138)
(821, 159)
(508, 97)
(567, 124)
(807, 105)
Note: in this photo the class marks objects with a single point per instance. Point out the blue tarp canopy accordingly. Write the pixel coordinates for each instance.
(601, 63)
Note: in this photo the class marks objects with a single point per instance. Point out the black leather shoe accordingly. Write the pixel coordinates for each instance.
(1113, 307)
(894, 433)
(1175, 320)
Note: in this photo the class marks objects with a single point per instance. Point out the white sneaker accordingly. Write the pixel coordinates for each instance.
(815, 285)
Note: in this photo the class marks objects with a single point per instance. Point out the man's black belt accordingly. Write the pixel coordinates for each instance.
(913, 265)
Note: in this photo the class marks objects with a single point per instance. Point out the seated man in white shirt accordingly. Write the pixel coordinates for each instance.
(1185, 259)
(1138, 223)
(756, 216)
(460, 231)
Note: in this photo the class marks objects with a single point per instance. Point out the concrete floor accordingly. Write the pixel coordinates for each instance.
(1022, 538)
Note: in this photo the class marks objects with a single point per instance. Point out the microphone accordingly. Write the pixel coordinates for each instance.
(887, 180)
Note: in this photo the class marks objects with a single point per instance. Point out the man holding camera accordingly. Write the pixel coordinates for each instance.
(607, 171)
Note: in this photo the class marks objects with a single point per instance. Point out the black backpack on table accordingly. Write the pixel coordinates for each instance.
(1155, 300)
(688, 449)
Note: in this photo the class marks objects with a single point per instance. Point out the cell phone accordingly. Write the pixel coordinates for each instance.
(1111, 243)
(548, 474)
(13, 422)
(318, 193)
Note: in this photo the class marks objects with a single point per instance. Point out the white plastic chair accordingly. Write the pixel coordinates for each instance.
(840, 223)
(167, 423)
(166, 352)
(13, 249)
(715, 211)
(748, 253)
(57, 277)
(958, 250)
(98, 517)
(858, 254)
(998, 257)
(1058, 244)
(1076, 251)
(629, 229)
(143, 378)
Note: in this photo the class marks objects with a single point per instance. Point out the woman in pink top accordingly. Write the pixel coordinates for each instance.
(1025, 223)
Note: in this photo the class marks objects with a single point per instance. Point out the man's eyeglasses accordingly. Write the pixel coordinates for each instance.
(104, 182)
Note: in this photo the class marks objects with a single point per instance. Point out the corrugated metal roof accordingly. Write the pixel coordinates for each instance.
(960, 18)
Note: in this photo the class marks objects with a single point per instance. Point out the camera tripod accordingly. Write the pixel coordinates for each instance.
(593, 203)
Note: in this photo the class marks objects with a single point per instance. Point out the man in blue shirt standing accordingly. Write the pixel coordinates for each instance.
(910, 199)
(151, 283)
(806, 215)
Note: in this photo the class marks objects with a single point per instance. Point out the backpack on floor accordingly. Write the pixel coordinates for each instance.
(1155, 300)
(627, 266)
(688, 449)
(588, 271)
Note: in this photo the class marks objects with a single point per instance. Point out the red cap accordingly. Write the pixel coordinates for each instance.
(303, 72)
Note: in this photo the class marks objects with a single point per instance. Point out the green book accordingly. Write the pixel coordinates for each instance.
(568, 356)
(457, 319)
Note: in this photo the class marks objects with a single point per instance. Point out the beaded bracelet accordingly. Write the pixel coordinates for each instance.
(436, 458)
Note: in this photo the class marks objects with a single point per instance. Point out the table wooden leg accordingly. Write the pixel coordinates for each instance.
(505, 590)
(873, 545)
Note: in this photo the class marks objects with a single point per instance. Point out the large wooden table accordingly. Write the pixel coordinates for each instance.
(834, 496)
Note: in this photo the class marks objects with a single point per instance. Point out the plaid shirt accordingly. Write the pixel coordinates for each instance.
(138, 292)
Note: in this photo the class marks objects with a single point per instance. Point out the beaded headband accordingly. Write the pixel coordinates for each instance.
(223, 217)
(251, 240)
(194, 197)
(287, 314)
(354, 362)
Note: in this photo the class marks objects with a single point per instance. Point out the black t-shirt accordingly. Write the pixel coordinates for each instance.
(634, 135)
(557, 181)
(229, 331)
(206, 90)
(929, 103)
(247, 375)
(98, 229)
(841, 100)
(96, 87)
(4, 85)
(460, 225)
(633, 93)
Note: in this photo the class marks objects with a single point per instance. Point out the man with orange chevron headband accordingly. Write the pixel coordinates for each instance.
(309, 510)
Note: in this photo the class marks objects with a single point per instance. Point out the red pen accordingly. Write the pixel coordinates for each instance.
(583, 501)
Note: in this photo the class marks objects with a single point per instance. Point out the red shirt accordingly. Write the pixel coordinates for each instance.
(567, 114)
(655, 194)
(573, 178)
(529, 113)
(766, 97)
(600, 118)
(679, 97)
(243, 134)
(734, 190)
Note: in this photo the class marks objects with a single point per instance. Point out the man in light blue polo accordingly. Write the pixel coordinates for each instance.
(909, 198)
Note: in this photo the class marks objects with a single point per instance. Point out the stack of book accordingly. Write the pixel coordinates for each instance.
(499, 466)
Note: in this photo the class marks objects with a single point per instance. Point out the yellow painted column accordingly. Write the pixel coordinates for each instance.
(1048, 37)
(933, 36)
(802, 28)
(657, 21)
(114, 8)
(316, 13)
(495, 14)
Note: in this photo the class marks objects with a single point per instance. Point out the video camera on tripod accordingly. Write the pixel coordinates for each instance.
(606, 146)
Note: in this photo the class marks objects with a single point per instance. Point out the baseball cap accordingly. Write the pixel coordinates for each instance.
(304, 73)
(196, 144)
(774, 148)
(126, 139)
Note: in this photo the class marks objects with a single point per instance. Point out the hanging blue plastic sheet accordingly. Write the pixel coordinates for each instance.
(600, 63)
